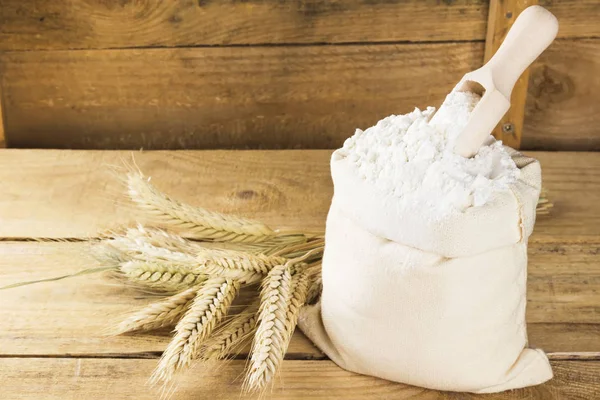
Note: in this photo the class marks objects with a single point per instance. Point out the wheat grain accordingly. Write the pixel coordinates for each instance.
(232, 335)
(271, 336)
(208, 308)
(160, 314)
(198, 222)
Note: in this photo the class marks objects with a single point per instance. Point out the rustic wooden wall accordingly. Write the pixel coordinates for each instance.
(268, 74)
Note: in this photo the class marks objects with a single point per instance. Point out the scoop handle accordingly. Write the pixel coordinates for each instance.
(532, 32)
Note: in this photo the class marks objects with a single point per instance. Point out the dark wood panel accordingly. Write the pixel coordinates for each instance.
(269, 97)
(563, 103)
(69, 24)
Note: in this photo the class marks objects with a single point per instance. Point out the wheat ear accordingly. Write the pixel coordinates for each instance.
(271, 338)
(245, 268)
(162, 276)
(299, 290)
(160, 238)
(196, 221)
(315, 289)
(234, 259)
(232, 335)
(544, 205)
(207, 310)
(160, 314)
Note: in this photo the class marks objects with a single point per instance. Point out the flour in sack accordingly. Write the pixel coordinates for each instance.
(410, 157)
(425, 262)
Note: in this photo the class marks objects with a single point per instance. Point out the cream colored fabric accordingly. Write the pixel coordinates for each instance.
(437, 304)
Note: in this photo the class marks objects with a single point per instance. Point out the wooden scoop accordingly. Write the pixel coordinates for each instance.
(530, 35)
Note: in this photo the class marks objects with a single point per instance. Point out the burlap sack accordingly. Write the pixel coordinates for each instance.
(437, 304)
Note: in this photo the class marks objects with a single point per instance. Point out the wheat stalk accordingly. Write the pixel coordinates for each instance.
(271, 338)
(200, 223)
(232, 335)
(160, 314)
(207, 310)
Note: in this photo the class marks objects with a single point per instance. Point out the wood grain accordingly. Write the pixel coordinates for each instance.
(577, 18)
(563, 304)
(77, 24)
(502, 15)
(564, 92)
(74, 194)
(126, 379)
(267, 97)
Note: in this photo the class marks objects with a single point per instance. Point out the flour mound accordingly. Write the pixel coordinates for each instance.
(410, 157)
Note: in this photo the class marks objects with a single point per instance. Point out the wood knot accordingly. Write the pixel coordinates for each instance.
(548, 86)
(246, 194)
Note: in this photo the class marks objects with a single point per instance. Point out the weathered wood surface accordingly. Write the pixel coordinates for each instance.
(76, 194)
(126, 379)
(273, 97)
(267, 97)
(562, 110)
(76, 24)
(51, 340)
(79, 24)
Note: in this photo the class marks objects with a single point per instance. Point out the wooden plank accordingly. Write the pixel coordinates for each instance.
(74, 194)
(577, 18)
(575, 338)
(502, 15)
(70, 316)
(564, 93)
(76, 24)
(562, 283)
(240, 97)
(127, 379)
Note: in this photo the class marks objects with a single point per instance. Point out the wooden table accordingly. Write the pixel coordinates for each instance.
(51, 342)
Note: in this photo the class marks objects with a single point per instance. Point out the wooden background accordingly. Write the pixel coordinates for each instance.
(119, 74)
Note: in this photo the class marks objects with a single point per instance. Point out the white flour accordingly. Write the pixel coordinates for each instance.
(410, 157)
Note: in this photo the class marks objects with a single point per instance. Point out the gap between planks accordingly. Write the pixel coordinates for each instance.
(559, 356)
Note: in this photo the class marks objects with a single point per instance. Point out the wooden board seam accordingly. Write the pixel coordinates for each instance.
(152, 355)
(258, 45)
